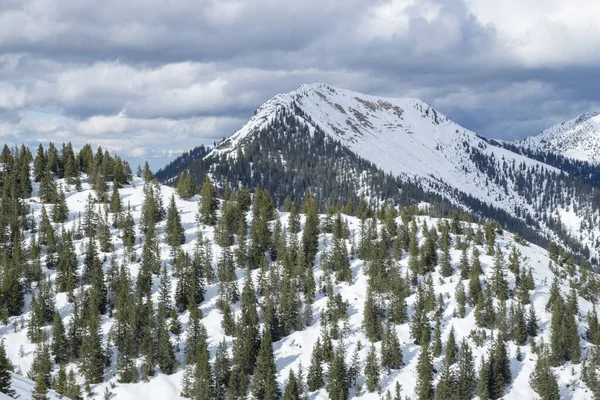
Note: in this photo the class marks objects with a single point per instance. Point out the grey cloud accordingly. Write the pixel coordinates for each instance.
(149, 80)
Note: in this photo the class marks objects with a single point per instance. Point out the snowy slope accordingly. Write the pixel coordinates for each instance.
(578, 138)
(403, 136)
(24, 387)
(296, 348)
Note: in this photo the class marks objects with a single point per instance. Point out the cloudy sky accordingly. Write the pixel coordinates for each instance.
(149, 78)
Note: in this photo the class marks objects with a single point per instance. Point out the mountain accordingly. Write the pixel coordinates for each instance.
(339, 305)
(344, 145)
(578, 138)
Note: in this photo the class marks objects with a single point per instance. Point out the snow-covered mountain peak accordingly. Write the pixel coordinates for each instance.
(402, 136)
(578, 138)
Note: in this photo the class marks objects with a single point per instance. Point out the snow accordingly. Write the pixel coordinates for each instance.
(296, 348)
(24, 387)
(578, 138)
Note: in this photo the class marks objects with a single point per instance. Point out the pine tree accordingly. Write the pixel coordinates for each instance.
(337, 383)
(543, 380)
(466, 377)
(424, 387)
(5, 368)
(499, 283)
(314, 378)
(207, 211)
(264, 384)
(311, 228)
(446, 387)
(60, 210)
(532, 322)
(40, 391)
(461, 300)
(372, 370)
(92, 350)
(185, 186)
(371, 318)
(165, 355)
(451, 348)
(59, 340)
(222, 370)
(174, 230)
(293, 390)
(247, 343)
(391, 351)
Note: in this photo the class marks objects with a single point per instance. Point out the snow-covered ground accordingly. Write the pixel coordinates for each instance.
(296, 348)
(578, 138)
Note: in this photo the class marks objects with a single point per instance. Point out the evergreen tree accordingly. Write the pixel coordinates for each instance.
(293, 390)
(222, 370)
(372, 370)
(207, 211)
(425, 372)
(337, 382)
(311, 228)
(264, 384)
(446, 387)
(314, 378)
(391, 351)
(247, 343)
(185, 186)
(451, 348)
(40, 391)
(499, 283)
(466, 381)
(59, 340)
(5, 368)
(174, 230)
(543, 380)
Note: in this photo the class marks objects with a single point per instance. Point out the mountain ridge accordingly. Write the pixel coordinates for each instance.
(577, 138)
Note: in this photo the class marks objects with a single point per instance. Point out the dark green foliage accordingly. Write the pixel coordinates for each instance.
(391, 351)
(207, 208)
(311, 228)
(40, 390)
(466, 379)
(372, 370)
(425, 374)
(337, 383)
(5, 368)
(264, 383)
(185, 186)
(247, 342)
(293, 388)
(543, 380)
(564, 339)
(174, 230)
(314, 378)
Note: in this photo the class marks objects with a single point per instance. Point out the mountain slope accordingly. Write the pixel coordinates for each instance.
(578, 138)
(401, 136)
(346, 144)
(295, 349)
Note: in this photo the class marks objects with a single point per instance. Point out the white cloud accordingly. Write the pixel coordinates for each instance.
(543, 32)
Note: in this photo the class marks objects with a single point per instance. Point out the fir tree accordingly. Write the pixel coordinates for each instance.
(337, 383)
(185, 186)
(314, 378)
(264, 384)
(40, 391)
(543, 380)
(247, 341)
(372, 370)
(5, 368)
(425, 372)
(207, 211)
(174, 230)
